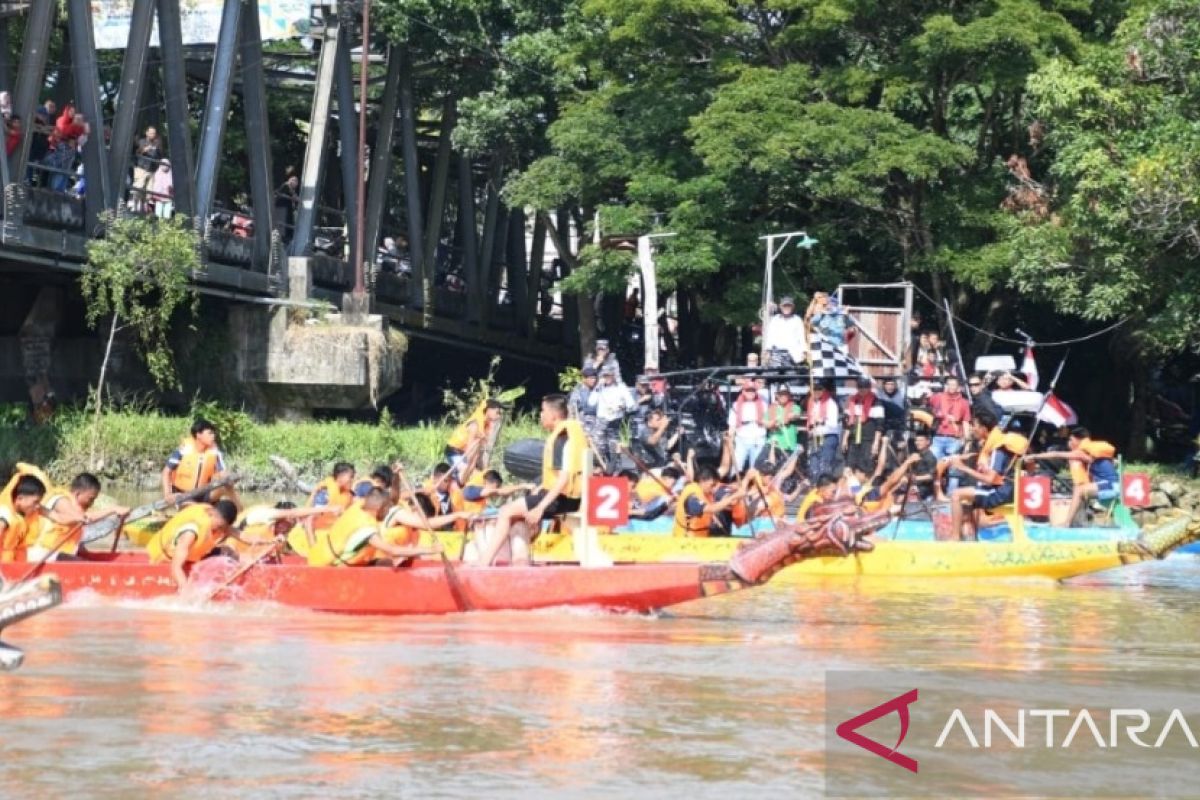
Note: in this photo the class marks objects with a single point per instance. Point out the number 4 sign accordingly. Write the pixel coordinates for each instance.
(1035, 497)
(1135, 490)
(608, 502)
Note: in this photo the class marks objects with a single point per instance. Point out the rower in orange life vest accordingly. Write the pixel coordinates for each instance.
(474, 431)
(652, 497)
(993, 471)
(196, 463)
(357, 537)
(823, 492)
(443, 491)
(333, 493)
(64, 513)
(1098, 457)
(382, 477)
(484, 488)
(191, 535)
(18, 513)
(874, 492)
(562, 480)
(264, 525)
(696, 507)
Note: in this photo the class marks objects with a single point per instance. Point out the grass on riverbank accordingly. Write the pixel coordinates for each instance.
(132, 446)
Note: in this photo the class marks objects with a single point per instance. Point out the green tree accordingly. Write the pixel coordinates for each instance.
(1108, 223)
(137, 276)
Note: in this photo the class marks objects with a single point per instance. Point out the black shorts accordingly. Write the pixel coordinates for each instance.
(561, 505)
(991, 497)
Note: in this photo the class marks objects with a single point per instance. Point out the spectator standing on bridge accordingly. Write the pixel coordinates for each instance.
(6, 107)
(146, 160)
(60, 158)
(12, 135)
(39, 144)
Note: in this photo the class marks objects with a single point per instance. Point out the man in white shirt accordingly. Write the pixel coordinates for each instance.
(784, 338)
(614, 402)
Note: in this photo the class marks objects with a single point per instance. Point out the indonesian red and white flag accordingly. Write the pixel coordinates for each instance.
(1029, 367)
(1057, 413)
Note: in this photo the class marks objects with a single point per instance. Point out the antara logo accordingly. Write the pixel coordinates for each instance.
(848, 730)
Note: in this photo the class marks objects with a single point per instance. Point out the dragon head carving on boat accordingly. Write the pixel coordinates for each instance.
(22, 601)
(839, 535)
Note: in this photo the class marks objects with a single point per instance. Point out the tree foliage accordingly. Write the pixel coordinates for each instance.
(140, 274)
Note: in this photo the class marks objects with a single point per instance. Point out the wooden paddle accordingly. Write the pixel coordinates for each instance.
(101, 528)
(242, 570)
(456, 588)
(58, 546)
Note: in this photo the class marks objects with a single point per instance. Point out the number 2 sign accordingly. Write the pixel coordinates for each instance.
(1035, 497)
(608, 502)
(1135, 490)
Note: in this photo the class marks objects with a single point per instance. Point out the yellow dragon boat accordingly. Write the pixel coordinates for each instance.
(1020, 558)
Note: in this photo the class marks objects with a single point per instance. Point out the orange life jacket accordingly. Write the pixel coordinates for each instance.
(196, 467)
(346, 543)
(49, 534)
(336, 497)
(460, 439)
(647, 490)
(687, 525)
(193, 519)
(12, 540)
(811, 499)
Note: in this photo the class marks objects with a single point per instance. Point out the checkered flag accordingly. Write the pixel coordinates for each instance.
(828, 360)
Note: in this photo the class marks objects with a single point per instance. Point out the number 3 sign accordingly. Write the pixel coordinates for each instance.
(1035, 497)
(608, 502)
(1135, 490)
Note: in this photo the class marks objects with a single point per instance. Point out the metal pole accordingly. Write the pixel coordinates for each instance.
(650, 300)
(769, 281)
(363, 67)
(954, 338)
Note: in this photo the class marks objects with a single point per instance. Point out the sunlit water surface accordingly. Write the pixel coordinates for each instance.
(713, 699)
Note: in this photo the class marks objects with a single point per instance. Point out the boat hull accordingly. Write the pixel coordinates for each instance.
(419, 589)
(1052, 560)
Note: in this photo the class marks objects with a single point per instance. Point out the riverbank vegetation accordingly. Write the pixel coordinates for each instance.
(133, 443)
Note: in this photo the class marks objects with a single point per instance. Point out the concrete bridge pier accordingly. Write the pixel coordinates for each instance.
(297, 357)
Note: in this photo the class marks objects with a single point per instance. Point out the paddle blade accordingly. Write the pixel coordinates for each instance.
(101, 529)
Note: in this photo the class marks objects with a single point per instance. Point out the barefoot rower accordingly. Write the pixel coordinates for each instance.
(1097, 458)
(993, 470)
(562, 477)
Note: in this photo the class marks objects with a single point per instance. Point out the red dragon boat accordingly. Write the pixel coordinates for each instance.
(433, 587)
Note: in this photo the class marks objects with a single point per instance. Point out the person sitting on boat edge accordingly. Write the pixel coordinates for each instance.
(697, 504)
(993, 470)
(18, 513)
(191, 535)
(64, 513)
(333, 493)
(357, 537)
(1101, 479)
(195, 463)
(562, 478)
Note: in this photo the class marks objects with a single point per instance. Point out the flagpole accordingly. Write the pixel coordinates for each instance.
(1046, 397)
(962, 368)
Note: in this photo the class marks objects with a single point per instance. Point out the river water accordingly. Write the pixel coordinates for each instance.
(716, 698)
